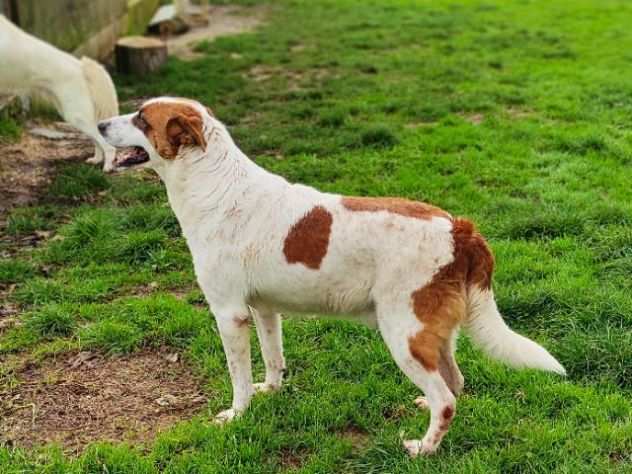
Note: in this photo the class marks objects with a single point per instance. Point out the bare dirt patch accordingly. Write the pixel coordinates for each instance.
(296, 80)
(414, 125)
(224, 20)
(77, 398)
(474, 119)
(27, 166)
(517, 113)
(358, 438)
(292, 459)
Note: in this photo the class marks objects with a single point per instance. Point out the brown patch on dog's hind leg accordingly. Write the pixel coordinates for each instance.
(428, 380)
(450, 372)
(448, 367)
(441, 307)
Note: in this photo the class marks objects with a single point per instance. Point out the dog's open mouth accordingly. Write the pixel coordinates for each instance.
(131, 156)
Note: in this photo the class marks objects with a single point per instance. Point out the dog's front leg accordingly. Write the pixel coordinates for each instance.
(235, 334)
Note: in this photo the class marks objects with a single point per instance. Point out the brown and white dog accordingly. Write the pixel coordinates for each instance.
(261, 245)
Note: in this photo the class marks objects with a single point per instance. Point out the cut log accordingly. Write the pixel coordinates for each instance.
(139, 55)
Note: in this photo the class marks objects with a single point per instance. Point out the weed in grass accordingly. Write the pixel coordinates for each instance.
(74, 182)
(333, 118)
(52, 321)
(114, 337)
(15, 271)
(139, 247)
(378, 136)
(10, 130)
(27, 220)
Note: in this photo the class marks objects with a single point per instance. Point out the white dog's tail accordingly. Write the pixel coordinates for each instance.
(488, 330)
(101, 89)
(483, 322)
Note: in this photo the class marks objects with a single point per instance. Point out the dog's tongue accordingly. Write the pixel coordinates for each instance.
(131, 156)
(124, 154)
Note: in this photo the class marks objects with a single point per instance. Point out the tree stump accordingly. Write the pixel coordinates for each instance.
(139, 55)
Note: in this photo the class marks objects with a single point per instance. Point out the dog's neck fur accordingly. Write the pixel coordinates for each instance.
(209, 186)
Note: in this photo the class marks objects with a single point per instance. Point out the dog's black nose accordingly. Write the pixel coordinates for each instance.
(103, 126)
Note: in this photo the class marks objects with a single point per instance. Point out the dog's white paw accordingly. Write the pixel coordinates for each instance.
(421, 403)
(266, 387)
(95, 160)
(225, 416)
(415, 447)
(412, 447)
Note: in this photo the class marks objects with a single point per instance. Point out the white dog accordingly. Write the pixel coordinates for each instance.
(81, 90)
(261, 243)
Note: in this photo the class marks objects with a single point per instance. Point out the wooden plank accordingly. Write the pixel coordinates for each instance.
(68, 23)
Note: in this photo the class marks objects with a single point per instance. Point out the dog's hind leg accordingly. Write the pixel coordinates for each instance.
(103, 152)
(268, 326)
(99, 156)
(25, 103)
(416, 348)
(448, 369)
(78, 111)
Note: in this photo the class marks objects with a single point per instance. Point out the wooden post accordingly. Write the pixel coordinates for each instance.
(139, 55)
(9, 8)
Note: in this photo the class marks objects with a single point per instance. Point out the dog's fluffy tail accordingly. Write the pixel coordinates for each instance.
(488, 330)
(483, 323)
(101, 89)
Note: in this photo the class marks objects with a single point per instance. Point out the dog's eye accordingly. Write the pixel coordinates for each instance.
(140, 122)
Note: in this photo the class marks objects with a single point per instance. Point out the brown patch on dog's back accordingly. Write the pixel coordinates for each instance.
(441, 304)
(308, 239)
(170, 125)
(403, 207)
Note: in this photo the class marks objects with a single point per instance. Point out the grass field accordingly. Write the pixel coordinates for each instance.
(515, 114)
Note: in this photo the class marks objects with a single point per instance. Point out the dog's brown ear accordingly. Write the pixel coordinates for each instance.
(186, 130)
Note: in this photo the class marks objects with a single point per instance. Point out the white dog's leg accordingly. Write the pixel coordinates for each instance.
(98, 157)
(268, 326)
(439, 398)
(79, 112)
(25, 102)
(103, 152)
(235, 334)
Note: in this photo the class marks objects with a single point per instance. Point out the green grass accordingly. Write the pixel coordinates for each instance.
(515, 114)
(10, 130)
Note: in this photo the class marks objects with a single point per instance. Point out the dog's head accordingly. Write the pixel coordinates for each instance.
(162, 130)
